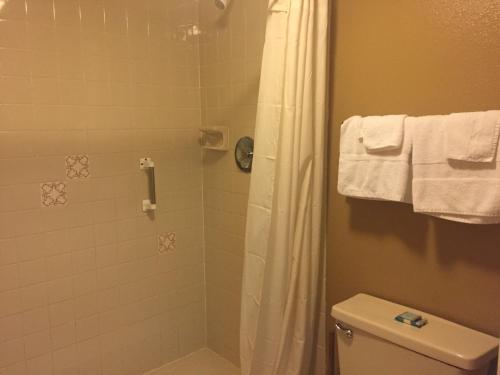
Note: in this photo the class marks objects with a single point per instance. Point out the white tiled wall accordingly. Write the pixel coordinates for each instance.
(87, 87)
(230, 55)
(83, 288)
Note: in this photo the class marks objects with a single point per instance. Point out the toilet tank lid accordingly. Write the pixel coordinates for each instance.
(440, 339)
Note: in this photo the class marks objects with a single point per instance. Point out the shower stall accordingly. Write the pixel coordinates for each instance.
(106, 267)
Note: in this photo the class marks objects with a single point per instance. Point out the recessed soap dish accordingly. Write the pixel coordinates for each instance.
(215, 138)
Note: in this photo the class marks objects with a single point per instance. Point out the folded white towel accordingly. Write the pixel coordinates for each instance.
(383, 175)
(382, 133)
(472, 136)
(451, 189)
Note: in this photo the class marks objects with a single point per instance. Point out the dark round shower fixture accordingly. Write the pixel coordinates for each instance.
(243, 154)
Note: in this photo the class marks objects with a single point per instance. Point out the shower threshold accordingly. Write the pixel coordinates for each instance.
(204, 362)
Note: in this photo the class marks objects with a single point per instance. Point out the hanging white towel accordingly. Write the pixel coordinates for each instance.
(451, 189)
(472, 136)
(382, 133)
(385, 175)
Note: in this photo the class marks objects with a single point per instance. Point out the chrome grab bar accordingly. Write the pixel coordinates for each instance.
(149, 166)
(345, 331)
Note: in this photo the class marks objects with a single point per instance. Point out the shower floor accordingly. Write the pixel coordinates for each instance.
(202, 362)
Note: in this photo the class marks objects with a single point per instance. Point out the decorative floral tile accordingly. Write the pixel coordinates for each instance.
(166, 242)
(53, 194)
(77, 166)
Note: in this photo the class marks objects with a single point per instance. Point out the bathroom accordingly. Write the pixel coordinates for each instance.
(141, 234)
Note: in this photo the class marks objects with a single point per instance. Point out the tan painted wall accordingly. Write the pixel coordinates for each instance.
(416, 57)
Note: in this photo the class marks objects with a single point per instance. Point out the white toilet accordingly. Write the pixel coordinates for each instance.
(371, 342)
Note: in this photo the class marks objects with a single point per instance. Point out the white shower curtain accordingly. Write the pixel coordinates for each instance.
(284, 247)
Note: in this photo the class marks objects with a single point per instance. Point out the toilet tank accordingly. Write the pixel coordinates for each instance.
(371, 342)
